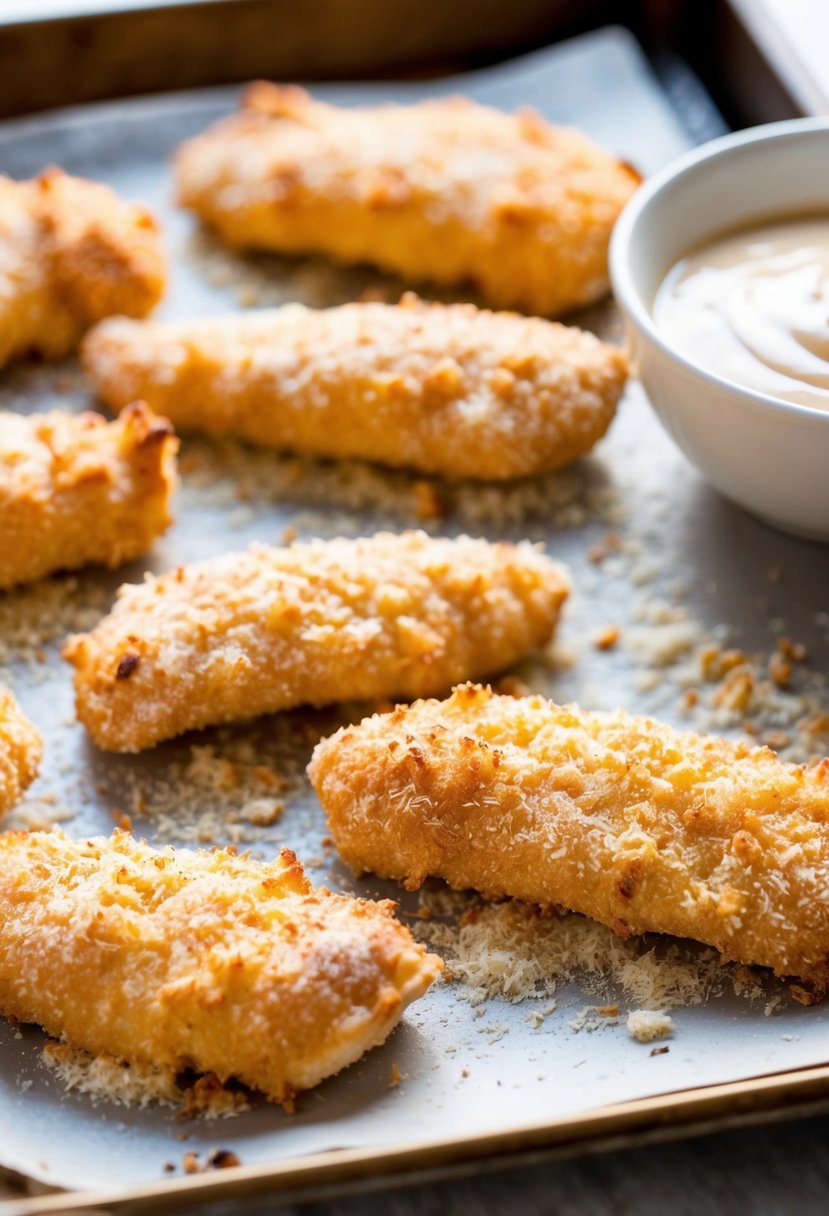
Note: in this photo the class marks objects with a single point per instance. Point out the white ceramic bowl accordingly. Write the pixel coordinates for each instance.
(768, 455)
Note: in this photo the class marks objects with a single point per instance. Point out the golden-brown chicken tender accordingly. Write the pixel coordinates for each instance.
(267, 629)
(21, 748)
(75, 489)
(443, 389)
(203, 961)
(445, 190)
(624, 819)
(71, 252)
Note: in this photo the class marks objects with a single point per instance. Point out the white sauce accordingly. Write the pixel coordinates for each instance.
(753, 307)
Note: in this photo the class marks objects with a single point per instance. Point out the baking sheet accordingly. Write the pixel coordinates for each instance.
(464, 1073)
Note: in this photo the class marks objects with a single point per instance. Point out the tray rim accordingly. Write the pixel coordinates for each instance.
(204, 97)
(649, 1120)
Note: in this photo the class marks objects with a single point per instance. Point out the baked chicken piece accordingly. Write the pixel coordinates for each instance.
(445, 190)
(71, 252)
(21, 748)
(442, 389)
(203, 961)
(642, 827)
(267, 629)
(75, 489)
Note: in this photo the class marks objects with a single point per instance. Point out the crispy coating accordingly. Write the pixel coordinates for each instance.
(71, 252)
(200, 960)
(21, 748)
(443, 389)
(445, 190)
(624, 819)
(75, 488)
(267, 629)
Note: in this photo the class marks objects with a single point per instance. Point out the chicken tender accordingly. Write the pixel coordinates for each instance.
(443, 389)
(445, 190)
(75, 488)
(267, 629)
(21, 748)
(71, 252)
(624, 819)
(203, 961)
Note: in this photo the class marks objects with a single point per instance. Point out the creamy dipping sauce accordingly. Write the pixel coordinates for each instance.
(753, 307)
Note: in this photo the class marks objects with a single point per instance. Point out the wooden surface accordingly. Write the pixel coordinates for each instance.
(123, 48)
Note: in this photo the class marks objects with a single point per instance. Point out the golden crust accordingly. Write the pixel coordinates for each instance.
(21, 748)
(200, 960)
(267, 629)
(445, 190)
(622, 818)
(71, 252)
(75, 488)
(443, 389)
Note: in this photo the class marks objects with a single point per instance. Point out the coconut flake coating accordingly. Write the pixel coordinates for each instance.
(644, 828)
(268, 629)
(21, 748)
(203, 961)
(71, 252)
(75, 489)
(448, 389)
(444, 190)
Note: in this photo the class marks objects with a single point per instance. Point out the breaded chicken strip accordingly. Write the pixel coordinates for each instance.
(624, 819)
(445, 190)
(75, 488)
(71, 252)
(21, 748)
(451, 390)
(267, 629)
(200, 960)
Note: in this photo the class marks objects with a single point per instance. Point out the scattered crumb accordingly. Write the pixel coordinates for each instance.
(45, 613)
(107, 1079)
(517, 952)
(37, 814)
(606, 638)
(494, 1031)
(226, 792)
(104, 1078)
(591, 1018)
(332, 494)
(747, 983)
(222, 1159)
(645, 1025)
(536, 1017)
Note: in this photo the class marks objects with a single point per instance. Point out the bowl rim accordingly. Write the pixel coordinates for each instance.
(623, 281)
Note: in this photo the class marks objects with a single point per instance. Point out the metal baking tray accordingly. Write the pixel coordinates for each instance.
(472, 1086)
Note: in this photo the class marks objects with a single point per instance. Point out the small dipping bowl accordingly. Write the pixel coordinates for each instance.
(769, 455)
